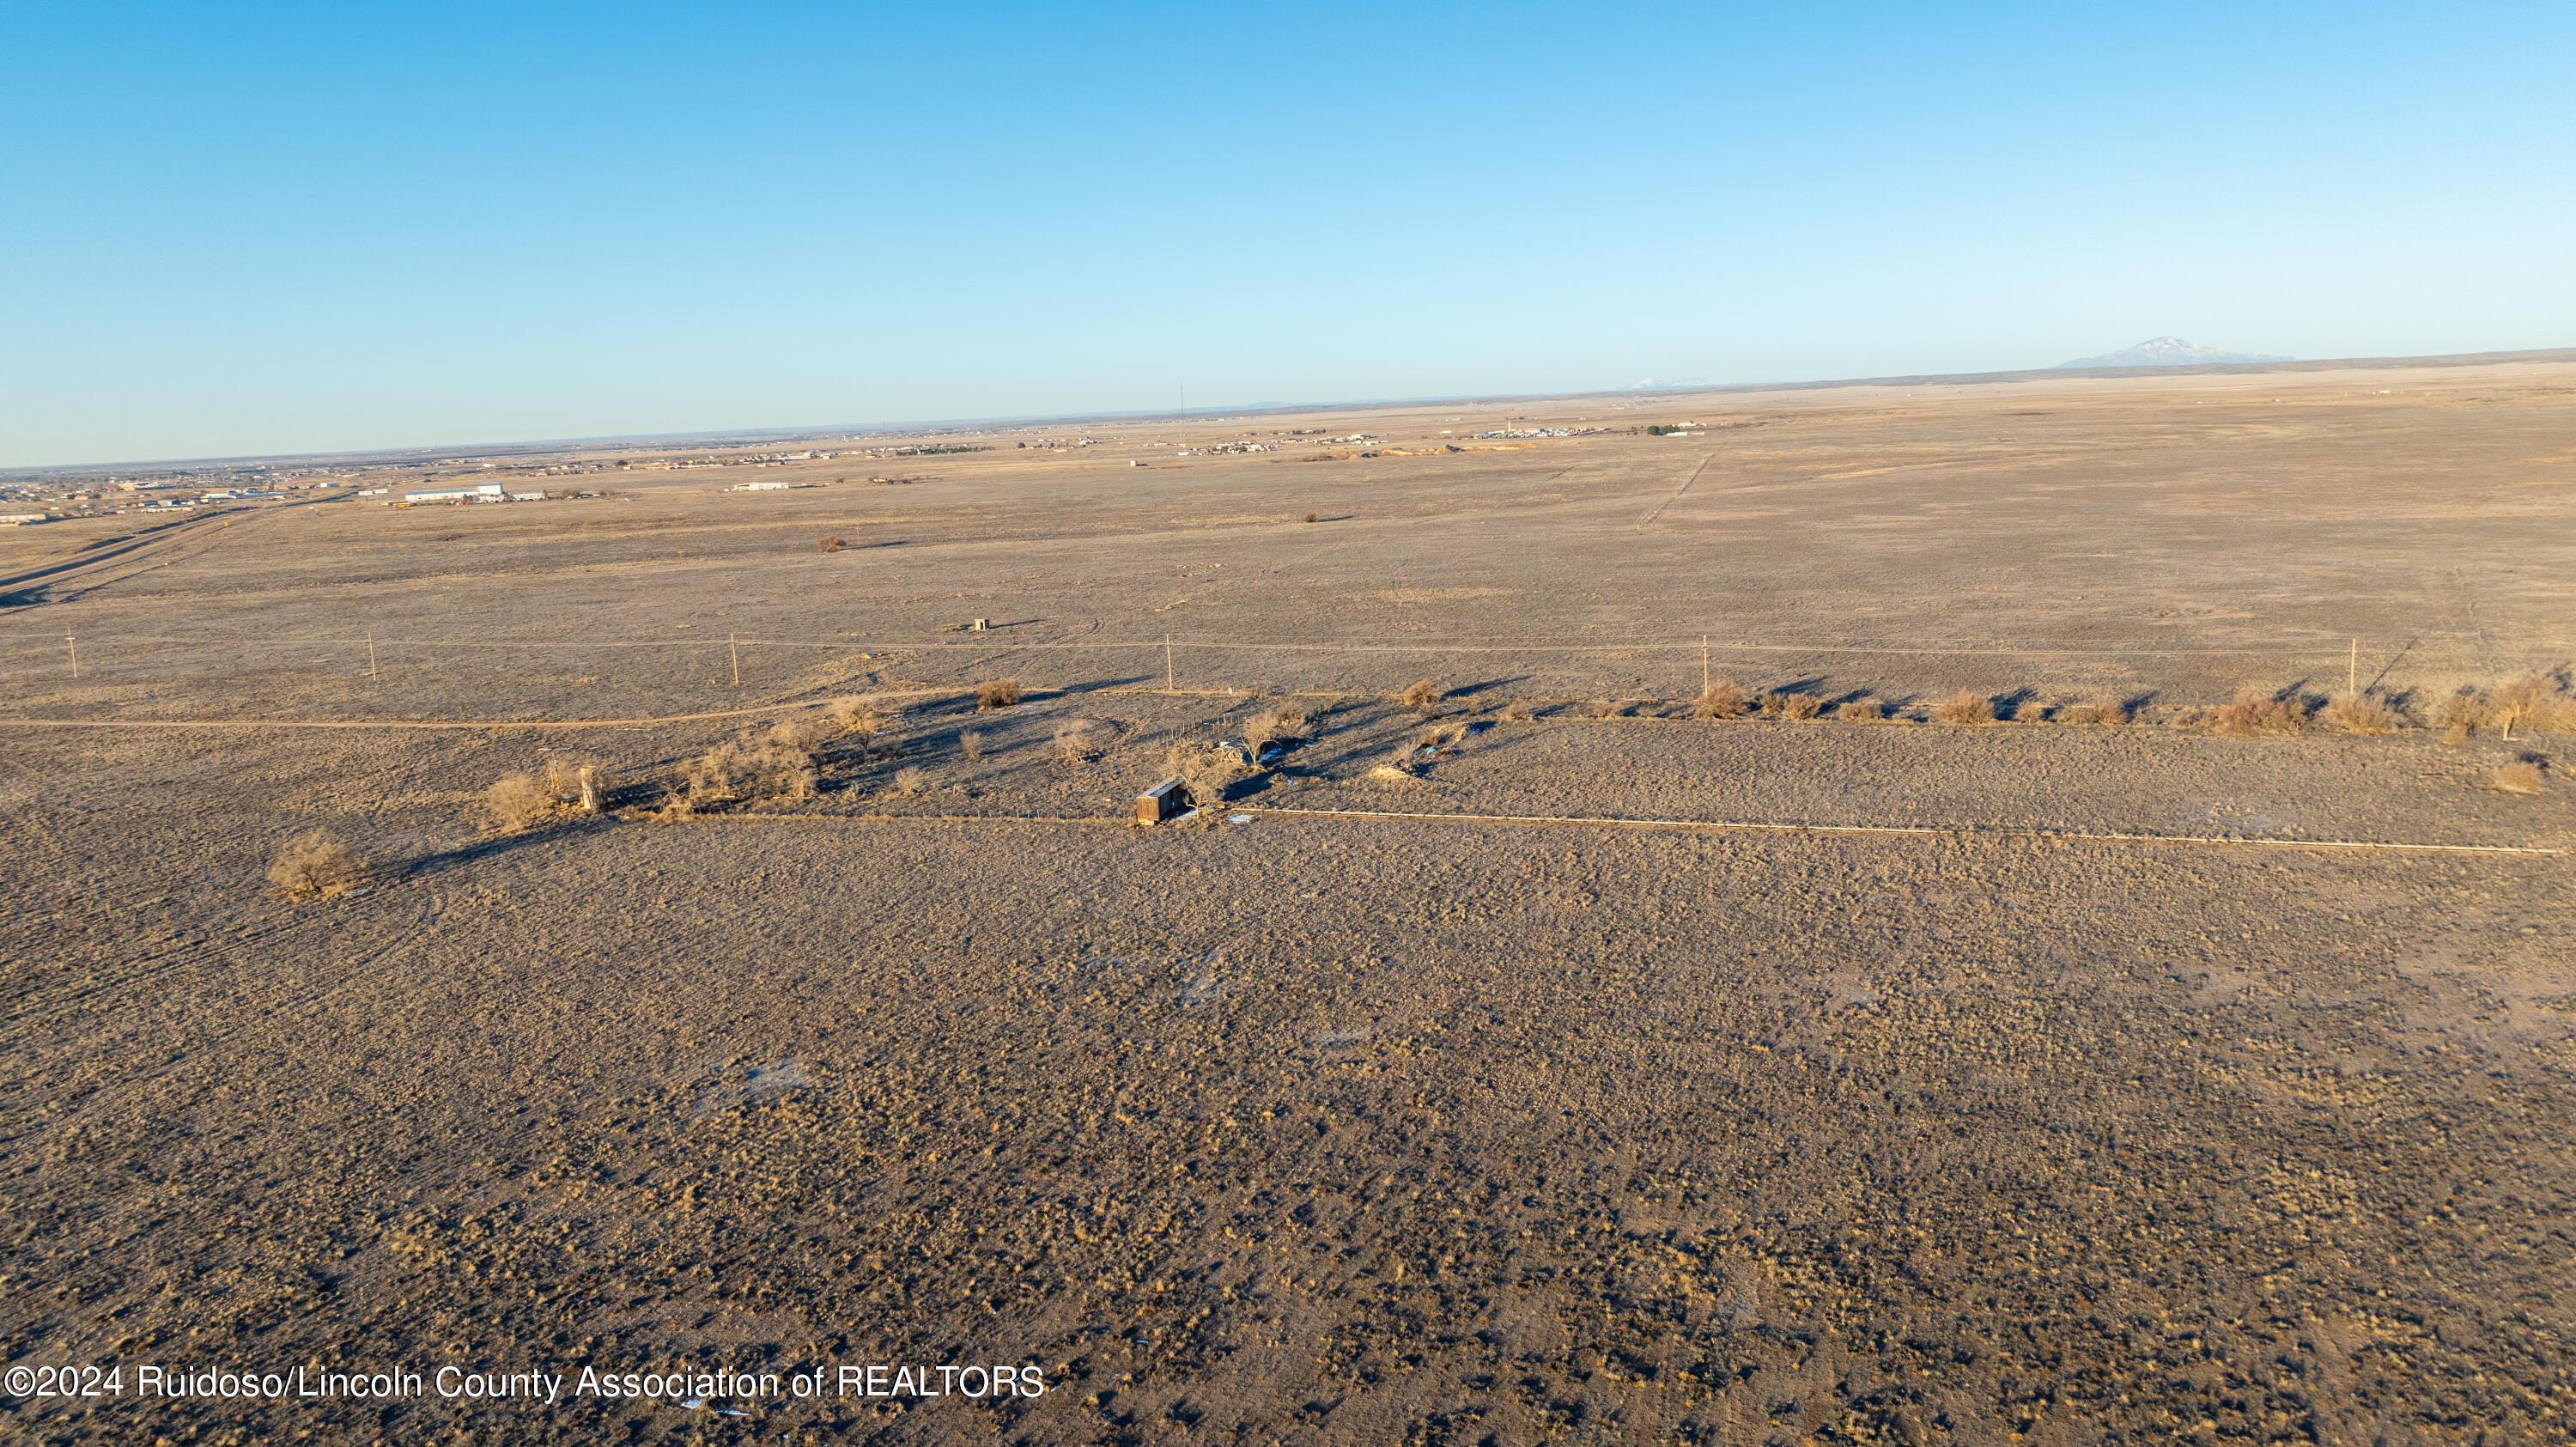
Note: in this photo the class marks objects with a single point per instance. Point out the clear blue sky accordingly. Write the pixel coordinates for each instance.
(265, 228)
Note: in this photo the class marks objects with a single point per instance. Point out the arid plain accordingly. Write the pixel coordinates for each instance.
(1546, 1060)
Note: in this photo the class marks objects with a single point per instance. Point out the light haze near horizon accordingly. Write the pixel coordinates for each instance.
(267, 229)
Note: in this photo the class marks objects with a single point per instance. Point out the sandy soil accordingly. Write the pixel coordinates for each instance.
(1336, 1124)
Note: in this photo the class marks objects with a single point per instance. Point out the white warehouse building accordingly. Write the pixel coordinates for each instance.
(480, 492)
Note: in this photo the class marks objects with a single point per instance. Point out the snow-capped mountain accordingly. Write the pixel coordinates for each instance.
(2167, 352)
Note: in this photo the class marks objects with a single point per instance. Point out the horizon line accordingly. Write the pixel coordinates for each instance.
(792, 433)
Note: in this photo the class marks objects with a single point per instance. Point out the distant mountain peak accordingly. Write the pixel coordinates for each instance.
(2168, 352)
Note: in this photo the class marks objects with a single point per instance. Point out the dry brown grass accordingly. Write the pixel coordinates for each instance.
(2096, 712)
(1861, 710)
(516, 803)
(2456, 736)
(1965, 708)
(971, 744)
(997, 694)
(2522, 777)
(2361, 713)
(831, 544)
(314, 865)
(1516, 713)
(1723, 698)
(1421, 696)
(2254, 711)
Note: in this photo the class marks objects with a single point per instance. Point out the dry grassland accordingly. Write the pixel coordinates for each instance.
(841, 1017)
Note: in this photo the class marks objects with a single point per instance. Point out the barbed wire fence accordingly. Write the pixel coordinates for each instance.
(1670, 667)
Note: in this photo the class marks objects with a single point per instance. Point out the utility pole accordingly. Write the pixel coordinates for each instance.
(371, 654)
(735, 649)
(1703, 665)
(2352, 671)
(1168, 685)
(70, 643)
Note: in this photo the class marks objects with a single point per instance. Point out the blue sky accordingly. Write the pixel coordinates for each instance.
(258, 229)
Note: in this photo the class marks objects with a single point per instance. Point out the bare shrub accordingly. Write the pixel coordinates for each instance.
(1723, 698)
(1516, 713)
(999, 693)
(861, 716)
(1421, 696)
(2103, 712)
(911, 781)
(1441, 736)
(777, 764)
(2522, 777)
(1607, 708)
(2533, 702)
(2456, 736)
(1206, 771)
(2555, 712)
(1314, 517)
(313, 865)
(1073, 743)
(831, 544)
(2465, 709)
(516, 803)
(1276, 725)
(971, 744)
(2361, 713)
(1792, 705)
(800, 735)
(1965, 708)
(1861, 710)
(2253, 712)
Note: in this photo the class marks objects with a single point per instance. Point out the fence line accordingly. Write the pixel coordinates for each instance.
(1932, 831)
(1913, 830)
